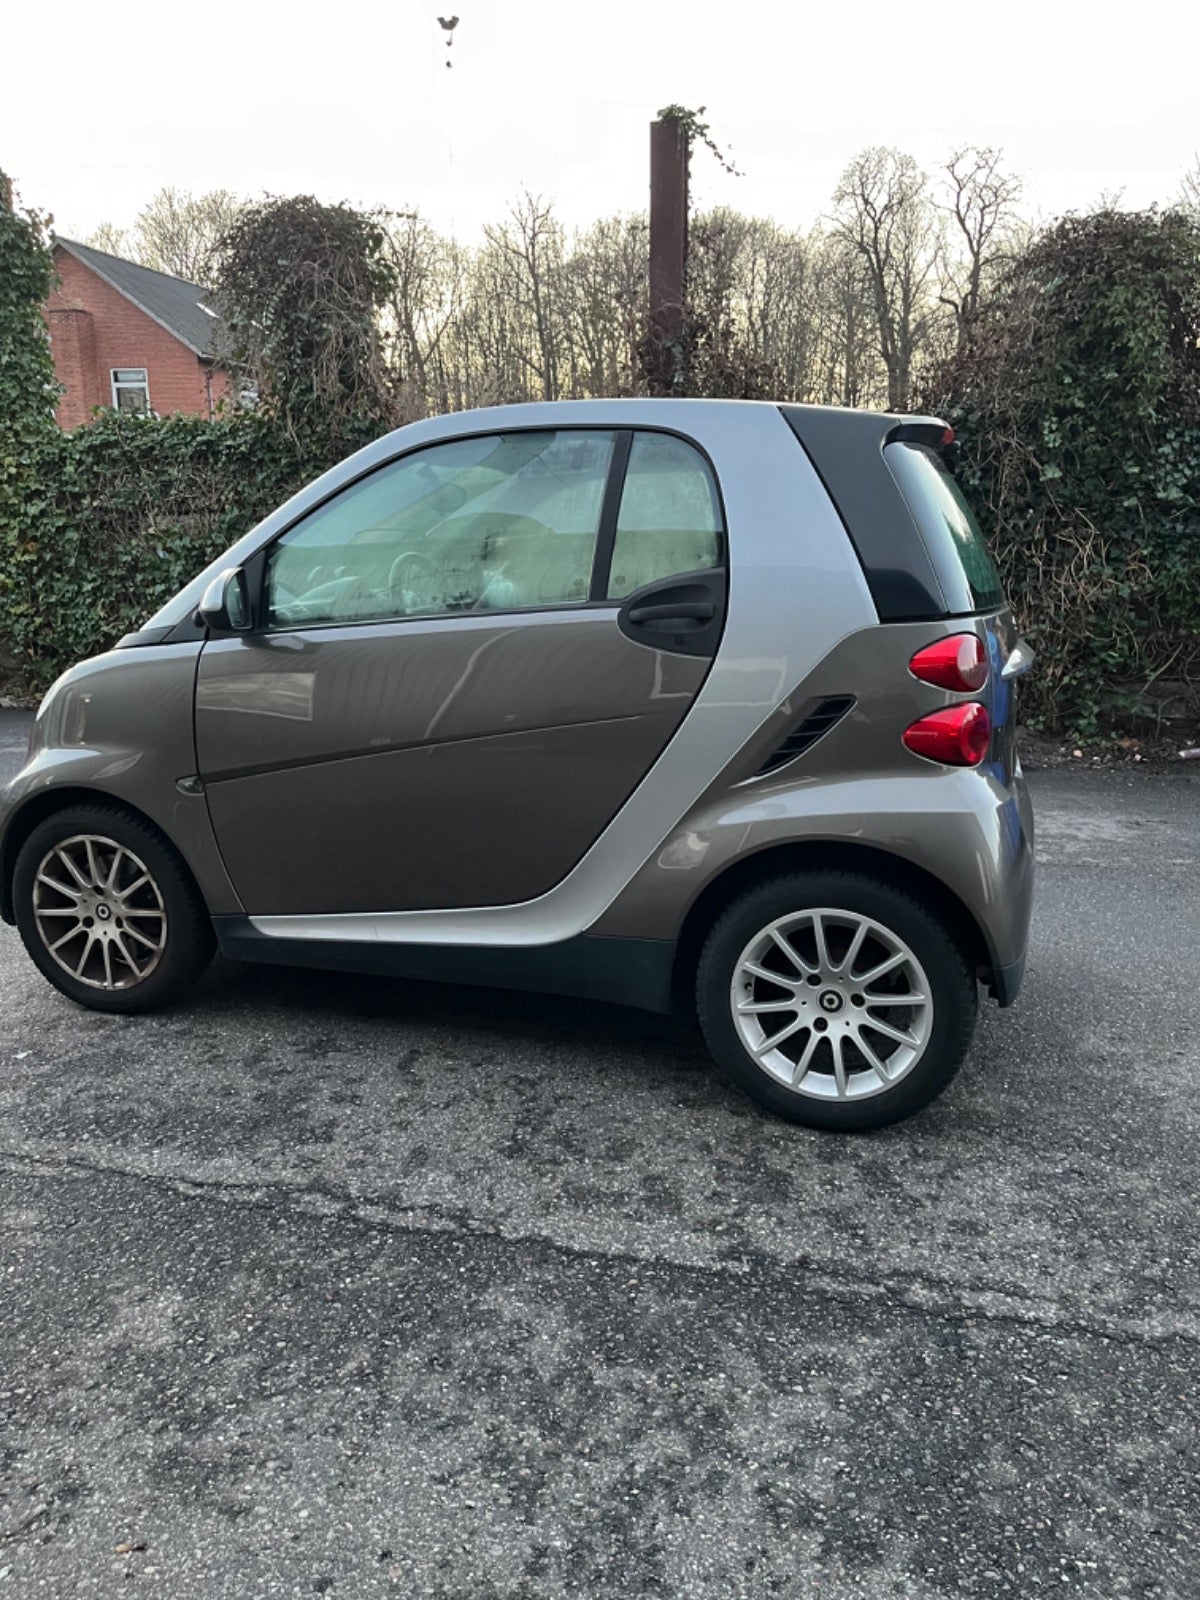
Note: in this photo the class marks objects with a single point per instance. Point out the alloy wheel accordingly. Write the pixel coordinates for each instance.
(832, 1004)
(99, 912)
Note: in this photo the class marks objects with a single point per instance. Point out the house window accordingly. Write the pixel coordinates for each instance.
(130, 390)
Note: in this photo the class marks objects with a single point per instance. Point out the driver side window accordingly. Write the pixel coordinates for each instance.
(496, 523)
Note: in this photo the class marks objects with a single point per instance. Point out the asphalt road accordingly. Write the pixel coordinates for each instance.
(322, 1285)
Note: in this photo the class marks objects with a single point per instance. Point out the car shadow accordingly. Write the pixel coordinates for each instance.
(594, 1025)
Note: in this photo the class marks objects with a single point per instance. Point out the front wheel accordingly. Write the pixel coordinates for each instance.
(835, 1000)
(108, 912)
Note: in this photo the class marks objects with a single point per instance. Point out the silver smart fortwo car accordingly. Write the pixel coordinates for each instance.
(663, 702)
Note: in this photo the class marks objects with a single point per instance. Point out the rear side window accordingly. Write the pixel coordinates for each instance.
(952, 537)
(670, 519)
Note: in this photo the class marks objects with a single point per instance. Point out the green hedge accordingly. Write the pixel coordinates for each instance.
(119, 515)
(1077, 400)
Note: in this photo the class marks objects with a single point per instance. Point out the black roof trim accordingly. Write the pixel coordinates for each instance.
(846, 449)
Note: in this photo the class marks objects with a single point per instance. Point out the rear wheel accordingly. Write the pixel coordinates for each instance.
(108, 912)
(835, 1000)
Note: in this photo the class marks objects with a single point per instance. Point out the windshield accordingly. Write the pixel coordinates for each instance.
(951, 534)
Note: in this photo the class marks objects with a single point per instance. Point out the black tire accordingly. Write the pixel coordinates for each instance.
(189, 941)
(950, 979)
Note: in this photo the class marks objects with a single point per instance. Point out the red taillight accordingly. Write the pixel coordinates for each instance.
(947, 437)
(957, 736)
(959, 663)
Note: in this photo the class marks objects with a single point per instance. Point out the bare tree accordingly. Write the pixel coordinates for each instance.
(981, 206)
(112, 240)
(528, 257)
(428, 284)
(884, 214)
(1189, 188)
(492, 342)
(750, 304)
(776, 305)
(847, 369)
(177, 232)
(603, 303)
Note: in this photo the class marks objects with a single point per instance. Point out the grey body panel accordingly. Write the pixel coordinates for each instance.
(120, 725)
(970, 828)
(795, 589)
(433, 762)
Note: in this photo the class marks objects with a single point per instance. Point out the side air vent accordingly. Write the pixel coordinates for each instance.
(819, 721)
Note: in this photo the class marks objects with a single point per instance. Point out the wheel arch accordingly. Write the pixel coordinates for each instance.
(812, 855)
(38, 807)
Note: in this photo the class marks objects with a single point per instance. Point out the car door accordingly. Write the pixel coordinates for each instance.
(462, 666)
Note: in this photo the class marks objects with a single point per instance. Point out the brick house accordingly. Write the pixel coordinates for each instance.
(125, 336)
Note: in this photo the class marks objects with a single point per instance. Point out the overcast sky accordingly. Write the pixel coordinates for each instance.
(100, 105)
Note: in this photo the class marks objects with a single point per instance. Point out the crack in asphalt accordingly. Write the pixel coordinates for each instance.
(923, 1294)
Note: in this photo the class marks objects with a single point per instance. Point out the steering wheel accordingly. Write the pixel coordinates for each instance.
(406, 566)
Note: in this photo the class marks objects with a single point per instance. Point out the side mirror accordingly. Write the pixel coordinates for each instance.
(225, 607)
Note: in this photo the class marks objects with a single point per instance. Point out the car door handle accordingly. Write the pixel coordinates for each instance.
(678, 610)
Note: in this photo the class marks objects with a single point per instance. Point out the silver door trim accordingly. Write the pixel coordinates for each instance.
(795, 589)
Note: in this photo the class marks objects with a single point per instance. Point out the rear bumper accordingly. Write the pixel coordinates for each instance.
(1006, 982)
